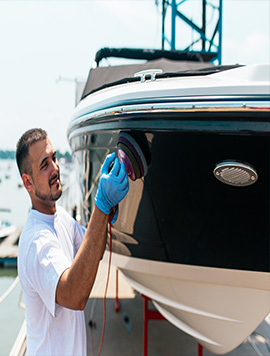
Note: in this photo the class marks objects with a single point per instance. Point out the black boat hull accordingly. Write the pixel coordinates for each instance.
(180, 212)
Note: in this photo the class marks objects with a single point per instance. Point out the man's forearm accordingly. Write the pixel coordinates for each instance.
(76, 282)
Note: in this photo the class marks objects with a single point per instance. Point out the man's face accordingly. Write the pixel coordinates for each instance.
(45, 172)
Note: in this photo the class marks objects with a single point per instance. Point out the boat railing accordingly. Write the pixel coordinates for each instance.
(19, 346)
(9, 290)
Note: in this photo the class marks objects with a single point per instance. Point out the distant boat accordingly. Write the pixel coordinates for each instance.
(6, 229)
(193, 234)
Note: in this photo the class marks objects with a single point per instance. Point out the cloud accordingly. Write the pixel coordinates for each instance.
(258, 42)
(132, 14)
(253, 49)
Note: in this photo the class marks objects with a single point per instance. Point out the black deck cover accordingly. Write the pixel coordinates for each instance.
(173, 63)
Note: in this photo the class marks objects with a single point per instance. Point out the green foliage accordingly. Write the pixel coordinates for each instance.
(66, 155)
(7, 154)
(11, 155)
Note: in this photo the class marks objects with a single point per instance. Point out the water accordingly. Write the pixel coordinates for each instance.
(14, 201)
(11, 314)
(14, 206)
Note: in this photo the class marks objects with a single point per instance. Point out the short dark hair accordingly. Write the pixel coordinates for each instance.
(22, 149)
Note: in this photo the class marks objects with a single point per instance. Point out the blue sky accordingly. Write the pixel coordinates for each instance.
(43, 40)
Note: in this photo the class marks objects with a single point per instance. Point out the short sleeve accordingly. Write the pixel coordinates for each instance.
(46, 263)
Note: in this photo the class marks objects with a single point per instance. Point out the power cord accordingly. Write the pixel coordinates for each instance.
(106, 288)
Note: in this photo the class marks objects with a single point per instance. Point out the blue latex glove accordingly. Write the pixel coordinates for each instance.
(113, 184)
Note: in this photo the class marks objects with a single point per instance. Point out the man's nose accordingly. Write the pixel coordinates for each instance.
(55, 165)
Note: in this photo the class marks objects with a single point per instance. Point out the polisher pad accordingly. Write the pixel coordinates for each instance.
(127, 156)
(130, 152)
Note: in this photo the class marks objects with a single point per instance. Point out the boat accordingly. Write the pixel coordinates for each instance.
(6, 229)
(192, 233)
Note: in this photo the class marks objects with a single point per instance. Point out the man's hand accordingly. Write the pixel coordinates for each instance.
(113, 184)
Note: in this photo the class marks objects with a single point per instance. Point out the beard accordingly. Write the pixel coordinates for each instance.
(50, 196)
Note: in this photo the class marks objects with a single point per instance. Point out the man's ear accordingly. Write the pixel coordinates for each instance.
(27, 182)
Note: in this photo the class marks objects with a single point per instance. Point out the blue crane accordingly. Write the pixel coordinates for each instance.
(205, 28)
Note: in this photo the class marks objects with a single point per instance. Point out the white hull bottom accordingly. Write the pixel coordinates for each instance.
(220, 308)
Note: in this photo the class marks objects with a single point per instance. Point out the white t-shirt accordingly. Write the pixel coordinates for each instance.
(47, 247)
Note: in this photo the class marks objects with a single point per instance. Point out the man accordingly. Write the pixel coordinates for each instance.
(58, 259)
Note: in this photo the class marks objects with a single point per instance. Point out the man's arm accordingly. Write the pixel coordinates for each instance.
(76, 282)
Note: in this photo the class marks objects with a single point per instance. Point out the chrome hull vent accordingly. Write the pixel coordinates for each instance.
(235, 173)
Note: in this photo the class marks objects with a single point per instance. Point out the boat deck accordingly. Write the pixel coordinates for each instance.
(124, 329)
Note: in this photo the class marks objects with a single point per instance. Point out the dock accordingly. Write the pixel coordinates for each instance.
(9, 248)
